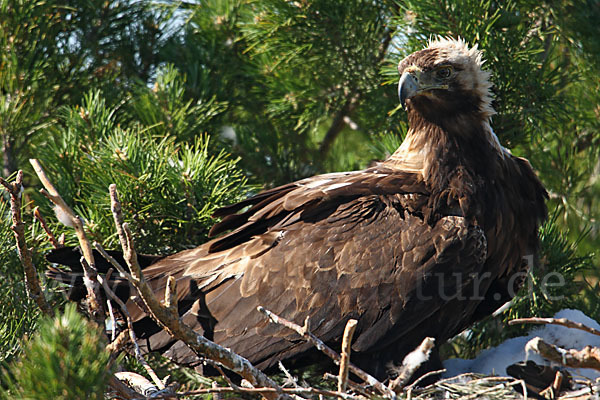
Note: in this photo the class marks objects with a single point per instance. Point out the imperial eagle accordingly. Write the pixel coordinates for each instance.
(422, 244)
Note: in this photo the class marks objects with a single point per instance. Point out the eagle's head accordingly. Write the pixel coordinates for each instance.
(445, 80)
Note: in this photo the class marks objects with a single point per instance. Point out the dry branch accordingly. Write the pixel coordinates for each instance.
(66, 215)
(345, 358)
(15, 189)
(588, 357)
(555, 321)
(138, 383)
(328, 351)
(367, 392)
(170, 320)
(123, 390)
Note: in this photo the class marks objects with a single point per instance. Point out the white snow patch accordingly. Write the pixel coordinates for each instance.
(495, 360)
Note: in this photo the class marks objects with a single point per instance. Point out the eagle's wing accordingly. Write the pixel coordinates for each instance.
(332, 247)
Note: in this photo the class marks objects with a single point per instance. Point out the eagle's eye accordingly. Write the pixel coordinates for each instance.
(444, 72)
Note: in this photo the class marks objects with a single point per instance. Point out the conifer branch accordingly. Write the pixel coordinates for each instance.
(38, 215)
(351, 103)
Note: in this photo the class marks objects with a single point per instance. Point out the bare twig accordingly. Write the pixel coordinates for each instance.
(287, 374)
(216, 395)
(217, 366)
(15, 189)
(345, 358)
(113, 322)
(38, 215)
(411, 363)
(552, 391)
(68, 217)
(588, 357)
(355, 387)
(328, 351)
(112, 261)
(555, 321)
(171, 322)
(423, 377)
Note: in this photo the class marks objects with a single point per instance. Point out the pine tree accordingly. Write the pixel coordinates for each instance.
(190, 106)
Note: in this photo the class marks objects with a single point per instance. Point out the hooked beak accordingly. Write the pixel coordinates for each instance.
(414, 82)
(407, 87)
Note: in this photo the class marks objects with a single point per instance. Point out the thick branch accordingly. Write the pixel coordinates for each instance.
(170, 320)
(588, 357)
(338, 124)
(68, 217)
(328, 351)
(32, 282)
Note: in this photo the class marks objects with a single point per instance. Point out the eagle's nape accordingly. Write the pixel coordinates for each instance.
(422, 244)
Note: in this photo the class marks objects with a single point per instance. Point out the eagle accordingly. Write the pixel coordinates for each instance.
(423, 244)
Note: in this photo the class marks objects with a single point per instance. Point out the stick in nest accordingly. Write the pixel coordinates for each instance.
(588, 357)
(345, 358)
(328, 351)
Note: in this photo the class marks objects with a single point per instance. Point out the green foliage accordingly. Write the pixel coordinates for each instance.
(55, 51)
(290, 72)
(66, 359)
(168, 189)
(167, 110)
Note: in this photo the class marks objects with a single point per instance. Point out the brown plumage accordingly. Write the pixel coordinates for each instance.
(422, 244)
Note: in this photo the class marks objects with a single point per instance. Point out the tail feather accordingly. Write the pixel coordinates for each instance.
(73, 276)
